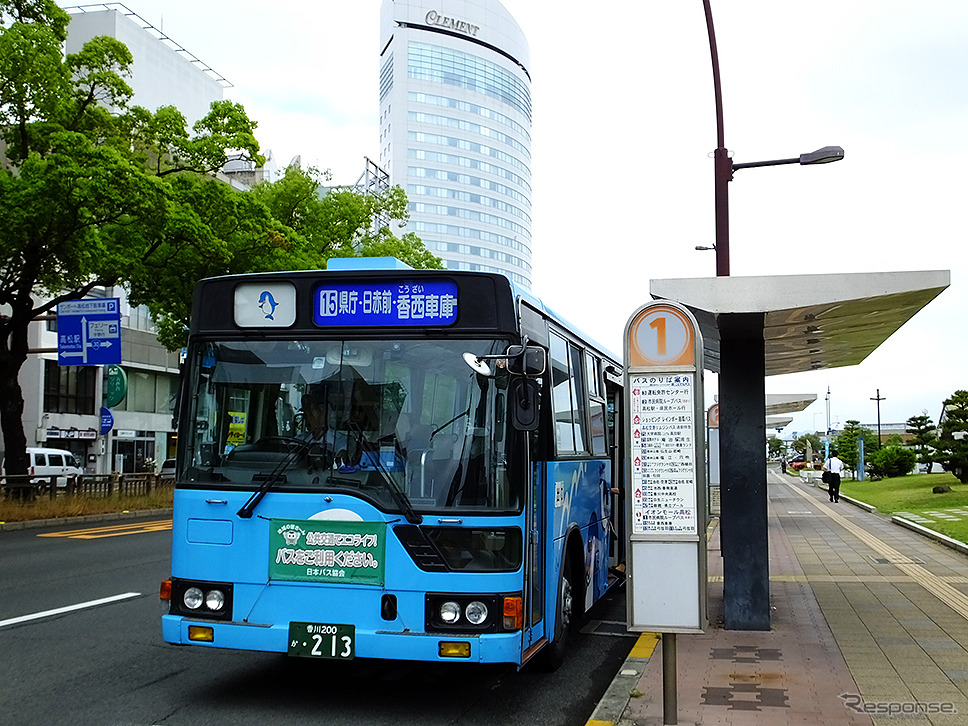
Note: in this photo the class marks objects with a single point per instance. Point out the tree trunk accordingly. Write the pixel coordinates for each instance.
(13, 354)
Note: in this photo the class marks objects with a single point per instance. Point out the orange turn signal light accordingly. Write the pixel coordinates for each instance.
(513, 612)
(165, 592)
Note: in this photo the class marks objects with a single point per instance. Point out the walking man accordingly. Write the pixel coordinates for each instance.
(836, 467)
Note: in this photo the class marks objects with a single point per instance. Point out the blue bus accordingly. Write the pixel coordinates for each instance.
(391, 463)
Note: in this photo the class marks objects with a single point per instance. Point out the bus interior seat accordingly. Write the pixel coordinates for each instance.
(431, 467)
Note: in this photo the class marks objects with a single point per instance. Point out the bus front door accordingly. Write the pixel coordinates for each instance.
(534, 579)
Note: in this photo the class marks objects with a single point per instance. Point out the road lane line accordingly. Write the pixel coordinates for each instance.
(950, 596)
(68, 608)
(111, 530)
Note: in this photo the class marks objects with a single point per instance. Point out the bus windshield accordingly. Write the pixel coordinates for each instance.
(375, 418)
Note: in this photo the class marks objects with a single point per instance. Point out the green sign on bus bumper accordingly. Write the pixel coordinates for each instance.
(326, 551)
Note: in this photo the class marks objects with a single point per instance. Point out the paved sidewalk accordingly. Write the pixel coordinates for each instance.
(869, 626)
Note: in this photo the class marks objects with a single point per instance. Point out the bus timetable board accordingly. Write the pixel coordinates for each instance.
(663, 454)
(666, 482)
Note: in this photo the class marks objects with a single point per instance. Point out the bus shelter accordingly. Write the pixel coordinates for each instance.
(753, 327)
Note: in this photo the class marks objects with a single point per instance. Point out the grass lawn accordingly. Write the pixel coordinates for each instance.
(913, 494)
(65, 506)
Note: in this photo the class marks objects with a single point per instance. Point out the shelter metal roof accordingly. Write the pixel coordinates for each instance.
(778, 422)
(809, 321)
(788, 402)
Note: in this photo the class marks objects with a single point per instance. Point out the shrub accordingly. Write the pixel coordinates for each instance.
(892, 461)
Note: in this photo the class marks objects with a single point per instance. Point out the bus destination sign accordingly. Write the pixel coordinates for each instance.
(394, 304)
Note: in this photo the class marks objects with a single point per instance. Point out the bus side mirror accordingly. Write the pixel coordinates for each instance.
(527, 360)
(524, 404)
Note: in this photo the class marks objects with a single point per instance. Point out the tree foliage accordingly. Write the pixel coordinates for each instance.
(924, 439)
(848, 449)
(891, 461)
(953, 442)
(811, 440)
(99, 193)
(776, 446)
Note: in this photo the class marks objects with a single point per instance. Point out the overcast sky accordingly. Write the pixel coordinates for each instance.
(624, 127)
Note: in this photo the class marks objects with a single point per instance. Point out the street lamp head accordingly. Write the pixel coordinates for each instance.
(826, 155)
(704, 247)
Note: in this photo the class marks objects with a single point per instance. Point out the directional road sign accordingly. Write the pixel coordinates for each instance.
(89, 332)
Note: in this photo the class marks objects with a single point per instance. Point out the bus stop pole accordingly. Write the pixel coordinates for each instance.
(670, 706)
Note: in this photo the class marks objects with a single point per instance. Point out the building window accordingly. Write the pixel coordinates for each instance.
(149, 392)
(69, 389)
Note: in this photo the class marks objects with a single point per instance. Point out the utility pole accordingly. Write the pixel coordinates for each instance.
(878, 398)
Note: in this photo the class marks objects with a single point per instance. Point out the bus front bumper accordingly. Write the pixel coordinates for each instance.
(483, 648)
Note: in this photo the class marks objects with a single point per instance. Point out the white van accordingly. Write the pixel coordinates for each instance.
(45, 463)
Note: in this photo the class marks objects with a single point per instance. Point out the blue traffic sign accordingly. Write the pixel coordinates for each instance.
(89, 332)
(107, 420)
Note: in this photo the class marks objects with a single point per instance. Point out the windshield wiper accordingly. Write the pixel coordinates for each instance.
(272, 478)
(399, 496)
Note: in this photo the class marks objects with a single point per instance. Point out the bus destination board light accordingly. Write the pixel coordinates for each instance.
(665, 434)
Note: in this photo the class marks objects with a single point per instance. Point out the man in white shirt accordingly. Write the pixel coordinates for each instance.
(836, 467)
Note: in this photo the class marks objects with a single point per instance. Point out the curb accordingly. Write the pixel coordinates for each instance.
(931, 534)
(83, 519)
(622, 689)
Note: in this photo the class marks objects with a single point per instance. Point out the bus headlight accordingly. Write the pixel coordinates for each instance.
(201, 600)
(476, 612)
(193, 598)
(449, 612)
(214, 600)
(466, 613)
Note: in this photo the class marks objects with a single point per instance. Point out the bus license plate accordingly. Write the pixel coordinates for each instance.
(322, 640)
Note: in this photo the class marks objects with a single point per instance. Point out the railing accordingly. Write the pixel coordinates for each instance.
(86, 485)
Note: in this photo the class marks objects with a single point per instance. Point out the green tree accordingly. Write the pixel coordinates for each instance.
(813, 440)
(894, 440)
(776, 446)
(97, 193)
(953, 442)
(847, 447)
(924, 437)
(891, 461)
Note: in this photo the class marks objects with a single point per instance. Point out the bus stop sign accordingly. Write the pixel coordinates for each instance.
(89, 332)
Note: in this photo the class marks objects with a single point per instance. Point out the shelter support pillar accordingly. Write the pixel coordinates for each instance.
(742, 431)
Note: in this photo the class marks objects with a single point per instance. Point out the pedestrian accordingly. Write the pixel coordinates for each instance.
(836, 467)
(783, 464)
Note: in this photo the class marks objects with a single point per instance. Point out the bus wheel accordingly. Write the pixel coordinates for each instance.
(553, 654)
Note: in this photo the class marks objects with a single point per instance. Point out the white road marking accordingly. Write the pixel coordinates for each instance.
(68, 608)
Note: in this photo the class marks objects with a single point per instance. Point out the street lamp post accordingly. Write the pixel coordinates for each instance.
(828, 410)
(743, 525)
(724, 166)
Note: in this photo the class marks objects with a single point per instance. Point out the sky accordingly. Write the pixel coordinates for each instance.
(622, 140)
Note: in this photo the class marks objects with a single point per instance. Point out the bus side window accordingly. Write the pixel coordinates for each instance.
(596, 405)
(568, 397)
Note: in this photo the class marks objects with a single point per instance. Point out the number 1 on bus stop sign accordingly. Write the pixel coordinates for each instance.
(661, 336)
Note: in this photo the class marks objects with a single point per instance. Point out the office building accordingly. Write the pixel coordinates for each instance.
(455, 129)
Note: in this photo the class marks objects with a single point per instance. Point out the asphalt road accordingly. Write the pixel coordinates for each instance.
(81, 657)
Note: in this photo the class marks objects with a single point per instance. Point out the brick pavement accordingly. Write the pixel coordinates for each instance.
(867, 618)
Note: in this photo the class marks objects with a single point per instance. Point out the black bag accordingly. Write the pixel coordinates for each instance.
(825, 477)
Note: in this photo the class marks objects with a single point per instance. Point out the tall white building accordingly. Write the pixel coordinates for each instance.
(455, 129)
